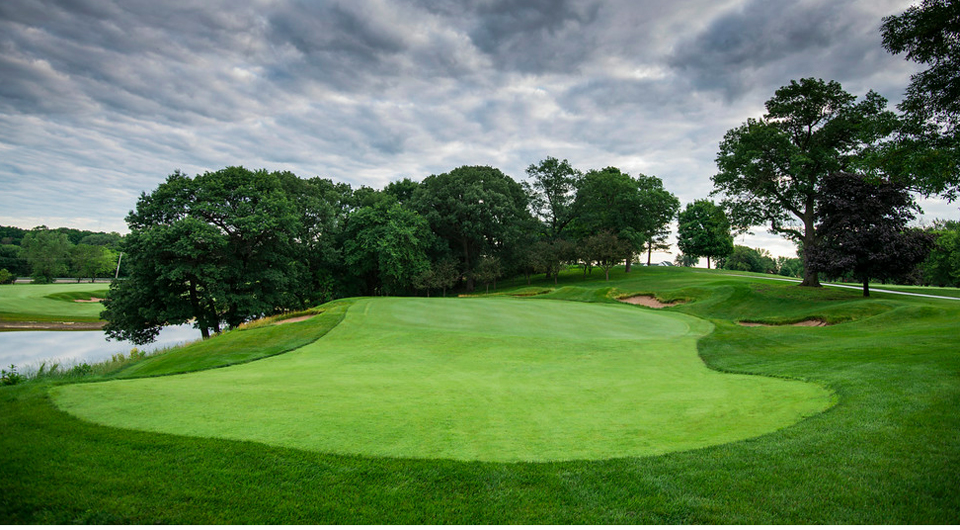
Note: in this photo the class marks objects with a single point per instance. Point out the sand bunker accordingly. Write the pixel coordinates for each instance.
(813, 323)
(90, 300)
(648, 301)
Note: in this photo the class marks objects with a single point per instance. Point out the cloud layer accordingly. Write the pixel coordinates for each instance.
(101, 100)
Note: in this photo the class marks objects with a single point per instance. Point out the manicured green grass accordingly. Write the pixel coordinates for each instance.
(51, 303)
(888, 452)
(469, 379)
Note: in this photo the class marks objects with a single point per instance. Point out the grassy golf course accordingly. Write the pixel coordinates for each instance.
(560, 406)
(51, 303)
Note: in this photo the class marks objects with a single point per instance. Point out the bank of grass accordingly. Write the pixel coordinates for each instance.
(888, 452)
(51, 302)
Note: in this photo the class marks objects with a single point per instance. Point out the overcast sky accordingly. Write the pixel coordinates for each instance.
(101, 100)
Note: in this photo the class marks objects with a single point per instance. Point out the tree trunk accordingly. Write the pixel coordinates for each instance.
(629, 262)
(811, 278)
(649, 252)
(866, 287)
(708, 262)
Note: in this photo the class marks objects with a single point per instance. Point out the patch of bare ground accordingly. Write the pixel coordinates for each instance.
(648, 301)
(813, 323)
(292, 320)
(51, 326)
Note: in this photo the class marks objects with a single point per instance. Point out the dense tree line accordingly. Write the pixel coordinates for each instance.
(227, 246)
(45, 254)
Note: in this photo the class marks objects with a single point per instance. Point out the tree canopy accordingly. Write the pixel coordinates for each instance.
(863, 229)
(704, 231)
(771, 169)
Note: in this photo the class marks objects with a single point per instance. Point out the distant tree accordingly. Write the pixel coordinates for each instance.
(487, 271)
(609, 200)
(549, 257)
(942, 266)
(659, 208)
(750, 260)
(605, 249)
(90, 261)
(445, 275)
(6, 277)
(101, 239)
(704, 231)
(863, 229)
(790, 267)
(476, 210)
(12, 260)
(552, 189)
(47, 252)
(771, 169)
(212, 249)
(685, 260)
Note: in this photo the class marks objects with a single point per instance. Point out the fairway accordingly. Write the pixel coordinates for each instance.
(51, 302)
(489, 379)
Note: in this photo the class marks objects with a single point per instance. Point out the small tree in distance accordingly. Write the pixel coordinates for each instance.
(704, 231)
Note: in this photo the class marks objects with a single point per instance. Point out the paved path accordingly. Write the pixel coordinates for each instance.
(857, 287)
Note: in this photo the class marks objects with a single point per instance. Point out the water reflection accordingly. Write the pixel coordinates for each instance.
(27, 349)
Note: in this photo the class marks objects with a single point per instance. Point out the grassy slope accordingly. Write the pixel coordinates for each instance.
(470, 379)
(887, 453)
(51, 303)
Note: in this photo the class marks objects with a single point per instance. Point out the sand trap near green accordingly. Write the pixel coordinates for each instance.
(485, 379)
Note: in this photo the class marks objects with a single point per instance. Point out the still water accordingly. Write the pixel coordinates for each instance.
(27, 349)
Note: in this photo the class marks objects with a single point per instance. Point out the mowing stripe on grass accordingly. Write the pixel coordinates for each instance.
(469, 379)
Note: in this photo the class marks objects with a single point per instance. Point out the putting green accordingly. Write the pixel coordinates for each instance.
(469, 379)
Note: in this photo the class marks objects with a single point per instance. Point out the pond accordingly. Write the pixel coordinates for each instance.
(27, 349)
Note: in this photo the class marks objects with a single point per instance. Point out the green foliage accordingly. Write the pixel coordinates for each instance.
(604, 249)
(863, 230)
(386, 245)
(792, 267)
(879, 456)
(11, 377)
(942, 266)
(704, 231)
(476, 210)
(216, 248)
(750, 260)
(487, 271)
(771, 169)
(47, 252)
(6, 277)
(552, 191)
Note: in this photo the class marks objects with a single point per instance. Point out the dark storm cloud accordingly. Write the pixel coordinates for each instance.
(535, 35)
(731, 55)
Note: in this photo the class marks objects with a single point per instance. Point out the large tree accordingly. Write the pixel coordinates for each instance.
(552, 189)
(703, 231)
(477, 210)
(771, 169)
(927, 150)
(609, 200)
(386, 246)
(863, 230)
(659, 207)
(213, 249)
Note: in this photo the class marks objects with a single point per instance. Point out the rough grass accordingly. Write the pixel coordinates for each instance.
(50, 303)
(469, 379)
(888, 452)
